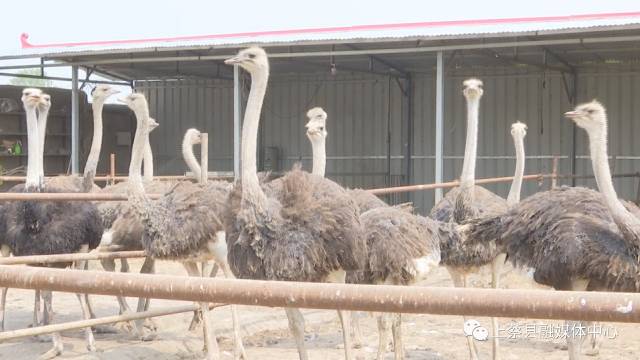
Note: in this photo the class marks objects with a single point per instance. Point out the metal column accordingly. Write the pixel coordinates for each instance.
(237, 124)
(75, 120)
(439, 124)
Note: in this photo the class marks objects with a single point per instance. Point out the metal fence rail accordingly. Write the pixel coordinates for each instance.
(540, 304)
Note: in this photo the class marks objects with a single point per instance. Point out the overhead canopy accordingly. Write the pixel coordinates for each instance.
(554, 42)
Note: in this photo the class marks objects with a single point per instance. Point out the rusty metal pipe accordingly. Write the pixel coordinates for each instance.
(81, 324)
(540, 304)
(59, 258)
(68, 196)
(450, 184)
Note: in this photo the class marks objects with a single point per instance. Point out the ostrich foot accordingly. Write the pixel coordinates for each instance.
(126, 327)
(196, 321)
(150, 325)
(54, 352)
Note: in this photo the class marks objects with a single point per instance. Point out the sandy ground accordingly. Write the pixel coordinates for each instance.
(266, 334)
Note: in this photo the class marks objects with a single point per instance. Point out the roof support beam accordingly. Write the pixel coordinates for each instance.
(384, 62)
(511, 61)
(60, 78)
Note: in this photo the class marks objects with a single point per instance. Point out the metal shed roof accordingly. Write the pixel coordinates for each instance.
(431, 30)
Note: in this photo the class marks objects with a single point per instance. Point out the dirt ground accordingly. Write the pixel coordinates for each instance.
(266, 335)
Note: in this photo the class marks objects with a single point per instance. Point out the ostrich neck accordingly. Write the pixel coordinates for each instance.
(319, 156)
(250, 185)
(34, 152)
(628, 224)
(139, 140)
(190, 158)
(516, 185)
(467, 178)
(148, 161)
(91, 166)
(42, 129)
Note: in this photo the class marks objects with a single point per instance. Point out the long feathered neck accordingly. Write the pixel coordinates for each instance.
(190, 157)
(629, 225)
(34, 180)
(148, 161)
(137, 151)
(467, 178)
(91, 166)
(43, 115)
(318, 147)
(516, 184)
(251, 191)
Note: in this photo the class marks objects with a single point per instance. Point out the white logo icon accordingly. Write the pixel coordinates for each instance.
(474, 329)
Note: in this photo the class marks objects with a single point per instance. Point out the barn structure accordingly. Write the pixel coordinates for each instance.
(392, 92)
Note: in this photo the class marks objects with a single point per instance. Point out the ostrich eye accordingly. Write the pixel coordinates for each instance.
(590, 111)
(321, 128)
(252, 56)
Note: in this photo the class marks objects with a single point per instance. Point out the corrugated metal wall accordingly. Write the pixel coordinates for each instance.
(367, 124)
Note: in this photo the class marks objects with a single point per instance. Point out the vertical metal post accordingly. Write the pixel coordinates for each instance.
(75, 120)
(439, 123)
(574, 129)
(237, 125)
(554, 172)
(204, 157)
(112, 168)
(409, 136)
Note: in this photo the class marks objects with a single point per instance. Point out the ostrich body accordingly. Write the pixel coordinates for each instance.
(572, 238)
(43, 228)
(300, 227)
(184, 224)
(414, 239)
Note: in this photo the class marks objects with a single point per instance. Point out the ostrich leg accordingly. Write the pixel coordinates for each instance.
(3, 301)
(130, 326)
(210, 343)
(594, 340)
(460, 280)
(575, 336)
(148, 267)
(47, 317)
(383, 333)
(396, 328)
(238, 351)
(86, 312)
(496, 267)
(296, 325)
(357, 332)
(36, 308)
(339, 277)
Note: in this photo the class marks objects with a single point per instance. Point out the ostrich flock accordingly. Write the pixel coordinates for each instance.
(304, 227)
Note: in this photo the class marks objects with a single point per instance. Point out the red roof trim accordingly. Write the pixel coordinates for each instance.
(429, 24)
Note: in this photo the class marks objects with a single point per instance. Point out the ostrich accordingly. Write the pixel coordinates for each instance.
(41, 228)
(183, 225)
(467, 201)
(123, 231)
(300, 227)
(74, 182)
(572, 238)
(414, 239)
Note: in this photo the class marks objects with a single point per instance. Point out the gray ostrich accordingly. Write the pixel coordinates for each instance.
(43, 228)
(572, 238)
(402, 248)
(300, 227)
(467, 201)
(184, 225)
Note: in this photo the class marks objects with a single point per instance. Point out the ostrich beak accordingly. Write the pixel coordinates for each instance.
(233, 61)
(571, 114)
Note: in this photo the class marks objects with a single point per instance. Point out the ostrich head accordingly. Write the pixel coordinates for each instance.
(316, 126)
(472, 88)
(590, 116)
(102, 92)
(31, 97)
(152, 124)
(519, 129)
(193, 136)
(250, 59)
(134, 101)
(45, 102)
